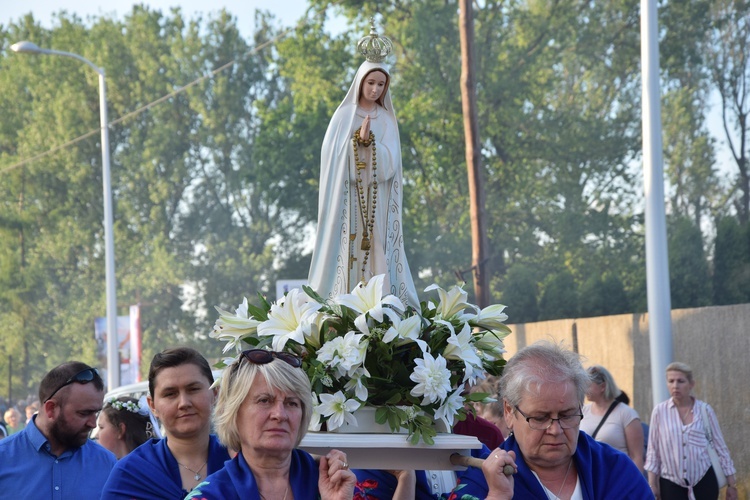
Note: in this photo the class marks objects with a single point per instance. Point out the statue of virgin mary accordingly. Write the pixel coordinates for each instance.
(360, 234)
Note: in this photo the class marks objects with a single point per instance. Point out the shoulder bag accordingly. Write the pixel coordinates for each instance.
(715, 464)
(601, 422)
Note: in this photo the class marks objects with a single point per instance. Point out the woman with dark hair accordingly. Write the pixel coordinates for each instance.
(360, 233)
(264, 410)
(180, 395)
(124, 424)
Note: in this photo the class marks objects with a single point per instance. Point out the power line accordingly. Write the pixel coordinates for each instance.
(150, 105)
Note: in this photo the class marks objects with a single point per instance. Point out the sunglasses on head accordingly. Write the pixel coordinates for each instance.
(262, 357)
(82, 377)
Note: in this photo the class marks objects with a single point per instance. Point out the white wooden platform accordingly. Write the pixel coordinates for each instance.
(391, 451)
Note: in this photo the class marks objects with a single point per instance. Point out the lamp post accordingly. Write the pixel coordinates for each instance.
(113, 358)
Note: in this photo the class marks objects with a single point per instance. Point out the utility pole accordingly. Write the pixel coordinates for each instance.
(473, 156)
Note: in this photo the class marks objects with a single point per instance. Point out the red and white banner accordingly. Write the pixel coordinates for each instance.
(129, 345)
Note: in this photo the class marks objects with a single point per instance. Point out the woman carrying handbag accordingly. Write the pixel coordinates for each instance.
(684, 433)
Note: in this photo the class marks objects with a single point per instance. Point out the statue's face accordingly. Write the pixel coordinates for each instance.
(373, 87)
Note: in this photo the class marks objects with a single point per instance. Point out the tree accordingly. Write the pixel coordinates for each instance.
(688, 270)
(729, 64)
(559, 297)
(731, 277)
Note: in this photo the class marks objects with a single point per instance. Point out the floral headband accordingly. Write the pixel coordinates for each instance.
(141, 408)
(127, 405)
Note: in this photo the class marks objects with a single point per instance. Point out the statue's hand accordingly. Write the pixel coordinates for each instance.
(364, 131)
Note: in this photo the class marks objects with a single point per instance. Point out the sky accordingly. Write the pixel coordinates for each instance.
(288, 12)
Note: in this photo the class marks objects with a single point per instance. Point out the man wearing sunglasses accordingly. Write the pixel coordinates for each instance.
(53, 457)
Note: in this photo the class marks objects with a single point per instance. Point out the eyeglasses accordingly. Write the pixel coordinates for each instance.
(82, 377)
(262, 357)
(544, 423)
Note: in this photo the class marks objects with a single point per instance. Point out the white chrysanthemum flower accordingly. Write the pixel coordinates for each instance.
(432, 378)
(290, 319)
(449, 409)
(344, 354)
(368, 299)
(231, 328)
(338, 409)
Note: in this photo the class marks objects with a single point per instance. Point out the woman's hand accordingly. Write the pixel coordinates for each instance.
(653, 482)
(731, 493)
(500, 485)
(364, 131)
(407, 484)
(335, 481)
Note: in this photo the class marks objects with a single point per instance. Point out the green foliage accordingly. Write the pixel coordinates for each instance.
(559, 298)
(731, 277)
(688, 270)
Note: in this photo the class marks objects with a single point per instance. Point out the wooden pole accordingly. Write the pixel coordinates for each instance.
(473, 156)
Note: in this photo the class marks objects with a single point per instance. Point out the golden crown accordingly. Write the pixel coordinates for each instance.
(375, 48)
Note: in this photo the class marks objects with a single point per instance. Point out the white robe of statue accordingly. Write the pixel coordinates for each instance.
(337, 256)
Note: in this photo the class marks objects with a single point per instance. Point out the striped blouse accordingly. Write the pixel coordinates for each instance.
(678, 452)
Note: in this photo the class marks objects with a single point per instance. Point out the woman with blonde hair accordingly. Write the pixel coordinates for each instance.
(678, 461)
(608, 420)
(263, 412)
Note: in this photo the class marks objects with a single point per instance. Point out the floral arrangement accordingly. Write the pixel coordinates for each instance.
(127, 406)
(365, 348)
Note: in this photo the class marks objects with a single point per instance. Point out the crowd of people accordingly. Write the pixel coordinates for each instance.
(557, 446)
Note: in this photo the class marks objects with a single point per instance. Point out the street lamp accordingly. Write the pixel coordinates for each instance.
(113, 358)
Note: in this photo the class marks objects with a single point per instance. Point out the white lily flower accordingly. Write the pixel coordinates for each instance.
(449, 409)
(460, 348)
(356, 383)
(490, 345)
(315, 421)
(452, 302)
(432, 378)
(232, 328)
(404, 331)
(338, 409)
(368, 299)
(490, 318)
(290, 319)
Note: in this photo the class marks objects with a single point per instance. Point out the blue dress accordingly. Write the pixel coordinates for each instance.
(236, 481)
(151, 472)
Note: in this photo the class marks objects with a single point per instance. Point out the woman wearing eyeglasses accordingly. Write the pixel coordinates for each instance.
(264, 409)
(180, 396)
(543, 386)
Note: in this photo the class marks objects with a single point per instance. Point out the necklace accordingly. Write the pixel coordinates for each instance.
(683, 416)
(563, 483)
(197, 473)
(368, 220)
(285, 492)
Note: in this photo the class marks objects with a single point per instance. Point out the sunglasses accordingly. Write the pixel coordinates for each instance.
(82, 377)
(262, 357)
